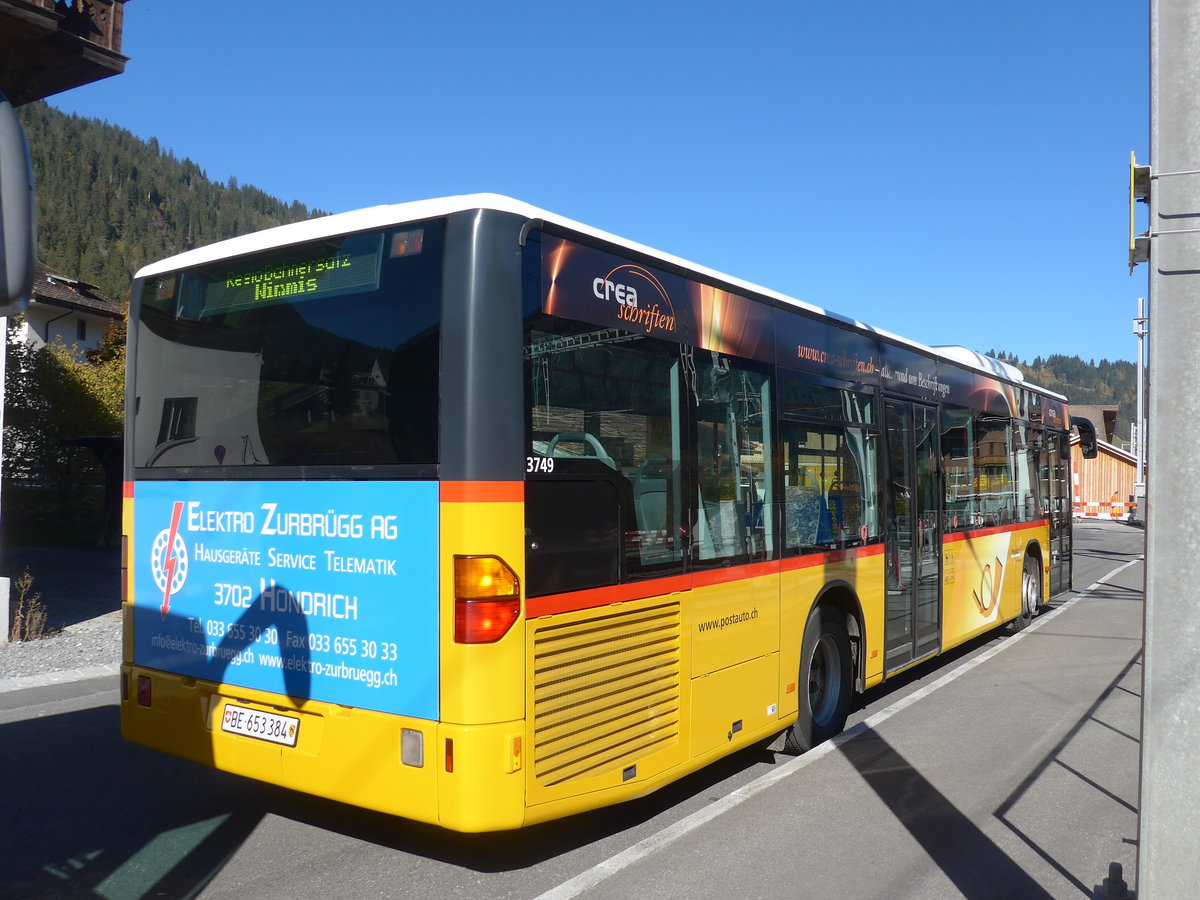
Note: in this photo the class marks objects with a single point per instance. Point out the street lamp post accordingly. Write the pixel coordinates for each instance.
(1141, 328)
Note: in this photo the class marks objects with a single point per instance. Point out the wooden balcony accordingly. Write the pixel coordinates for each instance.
(47, 46)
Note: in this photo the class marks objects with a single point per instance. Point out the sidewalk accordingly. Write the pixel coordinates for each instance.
(1017, 777)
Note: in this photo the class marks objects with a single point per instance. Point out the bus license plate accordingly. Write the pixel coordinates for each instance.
(264, 726)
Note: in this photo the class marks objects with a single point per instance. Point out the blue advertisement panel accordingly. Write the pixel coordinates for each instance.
(318, 590)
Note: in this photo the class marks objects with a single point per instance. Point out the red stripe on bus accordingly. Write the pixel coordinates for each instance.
(829, 557)
(482, 492)
(705, 577)
(997, 529)
(592, 598)
(604, 596)
(127, 490)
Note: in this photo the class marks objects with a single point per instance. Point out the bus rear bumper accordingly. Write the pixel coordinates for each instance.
(393, 764)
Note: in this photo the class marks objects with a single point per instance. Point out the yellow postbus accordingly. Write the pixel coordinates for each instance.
(472, 514)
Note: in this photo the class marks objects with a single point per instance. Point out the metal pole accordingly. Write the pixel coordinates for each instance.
(1168, 829)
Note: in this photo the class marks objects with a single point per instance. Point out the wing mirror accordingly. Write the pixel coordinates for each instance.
(1087, 436)
(17, 214)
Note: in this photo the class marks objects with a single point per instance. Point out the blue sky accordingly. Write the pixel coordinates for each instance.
(951, 172)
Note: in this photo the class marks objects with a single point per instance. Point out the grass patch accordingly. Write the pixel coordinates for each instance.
(29, 612)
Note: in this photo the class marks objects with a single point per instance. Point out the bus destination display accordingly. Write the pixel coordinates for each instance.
(322, 272)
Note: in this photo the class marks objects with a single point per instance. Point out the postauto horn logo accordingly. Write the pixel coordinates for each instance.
(169, 559)
(620, 286)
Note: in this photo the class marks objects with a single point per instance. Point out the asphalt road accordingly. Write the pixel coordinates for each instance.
(1007, 768)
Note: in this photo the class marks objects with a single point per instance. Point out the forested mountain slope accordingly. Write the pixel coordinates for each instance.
(1104, 383)
(109, 202)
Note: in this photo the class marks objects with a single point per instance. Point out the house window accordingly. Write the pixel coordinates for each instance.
(178, 419)
(81, 330)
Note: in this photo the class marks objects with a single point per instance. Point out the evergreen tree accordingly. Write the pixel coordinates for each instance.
(1109, 383)
(108, 203)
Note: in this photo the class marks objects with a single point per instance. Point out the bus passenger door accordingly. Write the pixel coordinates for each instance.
(1056, 490)
(913, 533)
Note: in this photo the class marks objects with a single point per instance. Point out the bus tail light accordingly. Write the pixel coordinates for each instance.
(487, 599)
(144, 691)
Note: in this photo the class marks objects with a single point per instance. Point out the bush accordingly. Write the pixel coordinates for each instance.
(29, 616)
(52, 393)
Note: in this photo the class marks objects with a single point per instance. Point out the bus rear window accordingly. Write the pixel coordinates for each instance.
(324, 354)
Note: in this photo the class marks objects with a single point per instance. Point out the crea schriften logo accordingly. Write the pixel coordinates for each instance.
(619, 286)
(169, 559)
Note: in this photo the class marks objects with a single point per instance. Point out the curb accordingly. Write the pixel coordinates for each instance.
(23, 682)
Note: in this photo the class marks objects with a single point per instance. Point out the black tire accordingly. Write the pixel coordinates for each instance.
(1031, 594)
(826, 681)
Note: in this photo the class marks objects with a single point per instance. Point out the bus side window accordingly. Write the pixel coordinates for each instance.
(828, 486)
(1025, 450)
(733, 441)
(573, 535)
(958, 437)
(978, 456)
(602, 501)
(830, 465)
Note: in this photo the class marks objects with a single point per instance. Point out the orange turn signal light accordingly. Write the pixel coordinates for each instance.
(487, 599)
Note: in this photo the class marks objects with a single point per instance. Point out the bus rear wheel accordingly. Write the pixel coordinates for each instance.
(825, 683)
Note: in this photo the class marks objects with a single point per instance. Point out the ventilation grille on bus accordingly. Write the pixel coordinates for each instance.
(606, 692)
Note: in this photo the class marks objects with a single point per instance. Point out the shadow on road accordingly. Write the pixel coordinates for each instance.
(1056, 758)
(87, 815)
(961, 850)
(512, 850)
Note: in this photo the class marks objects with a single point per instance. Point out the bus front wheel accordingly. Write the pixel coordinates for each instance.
(826, 681)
